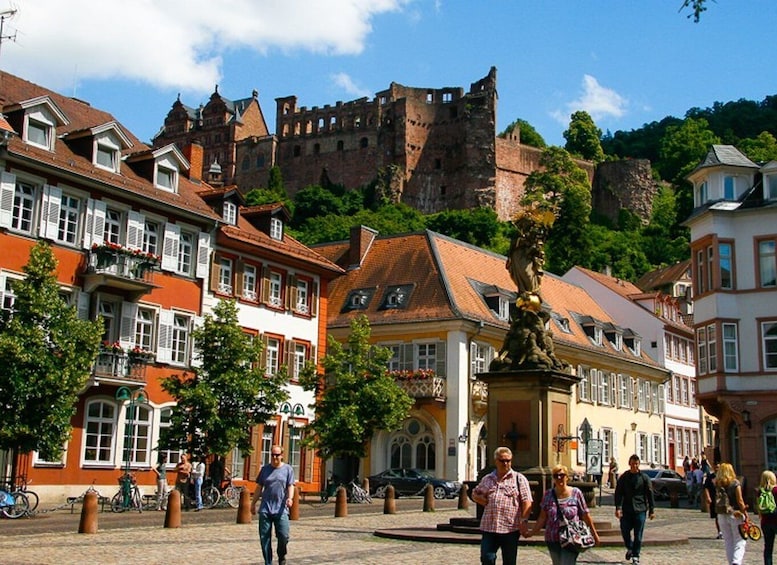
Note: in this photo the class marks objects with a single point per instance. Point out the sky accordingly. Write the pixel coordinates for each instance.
(625, 62)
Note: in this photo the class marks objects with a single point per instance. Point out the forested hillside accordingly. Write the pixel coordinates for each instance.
(629, 247)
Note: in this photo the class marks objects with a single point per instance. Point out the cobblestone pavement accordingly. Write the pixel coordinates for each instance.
(347, 540)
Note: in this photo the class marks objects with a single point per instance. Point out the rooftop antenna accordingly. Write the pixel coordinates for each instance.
(6, 15)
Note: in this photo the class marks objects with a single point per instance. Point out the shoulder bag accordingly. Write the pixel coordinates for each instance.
(573, 534)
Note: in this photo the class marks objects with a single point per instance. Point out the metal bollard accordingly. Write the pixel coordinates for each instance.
(341, 503)
(389, 502)
(88, 522)
(173, 513)
(429, 498)
(463, 498)
(244, 507)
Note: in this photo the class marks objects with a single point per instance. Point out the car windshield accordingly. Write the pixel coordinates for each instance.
(652, 473)
(424, 474)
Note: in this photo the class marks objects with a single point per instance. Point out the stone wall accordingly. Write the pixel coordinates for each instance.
(625, 184)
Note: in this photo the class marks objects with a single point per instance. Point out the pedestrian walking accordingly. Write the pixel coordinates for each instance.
(613, 474)
(198, 475)
(732, 512)
(633, 500)
(559, 501)
(507, 500)
(275, 486)
(768, 521)
(709, 494)
(161, 480)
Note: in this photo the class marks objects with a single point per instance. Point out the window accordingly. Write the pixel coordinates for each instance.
(249, 282)
(137, 446)
(112, 233)
(225, 276)
(151, 238)
(69, 214)
(769, 333)
(642, 398)
(770, 190)
(275, 296)
(481, 354)
(396, 297)
(185, 253)
(166, 178)
(606, 435)
(109, 313)
(684, 391)
(701, 340)
(268, 440)
(656, 449)
(583, 385)
(7, 296)
(300, 354)
(604, 389)
(276, 229)
(229, 213)
(703, 193)
(165, 417)
(712, 349)
(625, 391)
(180, 339)
(726, 279)
(358, 299)
(295, 443)
(39, 133)
(729, 188)
(272, 355)
(302, 297)
(394, 364)
(642, 446)
(730, 348)
(426, 355)
(144, 329)
(767, 262)
(23, 207)
(106, 154)
(99, 430)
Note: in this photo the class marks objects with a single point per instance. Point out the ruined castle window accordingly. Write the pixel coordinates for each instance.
(363, 142)
(357, 122)
(218, 138)
(286, 109)
(453, 112)
(332, 122)
(296, 128)
(260, 160)
(285, 130)
(429, 97)
(340, 145)
(245, 163)
(382, 100)
(316, 148)
(443, 190)
(370, 120)
(321, 123)
(308, 127)
(438, 164)
(297, 151)
(447, 97)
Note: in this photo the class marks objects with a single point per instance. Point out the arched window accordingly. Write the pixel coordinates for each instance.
(413, 446)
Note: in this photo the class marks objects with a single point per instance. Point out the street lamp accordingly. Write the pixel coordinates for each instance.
(135, 397)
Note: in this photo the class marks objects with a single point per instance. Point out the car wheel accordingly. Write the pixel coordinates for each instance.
(380, 492)
(440, 493)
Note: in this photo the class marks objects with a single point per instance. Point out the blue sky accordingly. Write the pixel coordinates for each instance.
(626, 62)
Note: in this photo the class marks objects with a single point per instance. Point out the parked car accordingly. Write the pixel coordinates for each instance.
(664, 481)
(411, 482)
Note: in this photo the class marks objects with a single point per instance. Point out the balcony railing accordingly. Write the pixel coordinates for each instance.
(118, 267)
(429, 387)
(120, 367)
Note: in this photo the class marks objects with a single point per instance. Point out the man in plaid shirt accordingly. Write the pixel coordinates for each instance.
(507, 499)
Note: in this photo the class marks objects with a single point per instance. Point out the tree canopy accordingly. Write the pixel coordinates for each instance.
(226, 394)
(46, 353)
(528, 135)
(583, 138)
(360, 397)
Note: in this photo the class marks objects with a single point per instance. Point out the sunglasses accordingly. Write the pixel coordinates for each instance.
(559, 475)
(276, 454)
(504, 460)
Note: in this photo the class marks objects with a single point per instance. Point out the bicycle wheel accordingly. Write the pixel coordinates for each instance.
(117, 502)
(232, 495)
(32, 497)
(137, 499)
(19, 508)
(210, 497)
(754, 532)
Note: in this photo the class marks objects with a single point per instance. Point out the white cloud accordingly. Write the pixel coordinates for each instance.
(345, 82)
(175, 43)
(599, 101)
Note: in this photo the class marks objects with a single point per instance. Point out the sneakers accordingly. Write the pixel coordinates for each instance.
(635, 561)
(628, 554)
(720, 535)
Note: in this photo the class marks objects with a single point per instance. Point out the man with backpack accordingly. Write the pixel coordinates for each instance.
(633, 501)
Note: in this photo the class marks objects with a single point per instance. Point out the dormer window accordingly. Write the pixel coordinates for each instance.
(592, 328)
(39, 133)
(276, 228)
(396, 297)
(614, 336)
(770, 187)
(166, 178)
(107, 153)
(633, 342)
(229, 213)
(703, 193)
(358, 299)
(562, 323)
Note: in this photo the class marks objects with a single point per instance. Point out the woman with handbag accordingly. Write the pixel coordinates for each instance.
(564, 515)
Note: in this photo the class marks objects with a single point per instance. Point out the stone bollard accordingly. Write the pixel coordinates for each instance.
(88, 523)
(463, 498)
(341, 503)
(173, 513)
(244, 507)
(366, 485)
(429, 498)
(389, 503)
(294, 510)
(674, 498)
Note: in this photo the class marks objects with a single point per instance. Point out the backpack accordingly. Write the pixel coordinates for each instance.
(765, 503)
(722, 502)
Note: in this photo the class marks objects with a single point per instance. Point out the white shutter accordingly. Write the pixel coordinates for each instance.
(440, 359)
(82, 305)
(661, 399)
(203, 255)
(135, 223)
(2, 289)
(613, 389)
(94, 231)
(129, 316)
(593, 379)
(170, 245)
(49, 218)
(580, 447)
(473, 353)
(196, 360)
(7, 189)
(581, 384)
(165, 342)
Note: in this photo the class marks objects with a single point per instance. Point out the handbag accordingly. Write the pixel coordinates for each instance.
(573, 534)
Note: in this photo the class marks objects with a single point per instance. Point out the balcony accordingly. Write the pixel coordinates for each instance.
(120, 268)
(421, 384)
(115, 366)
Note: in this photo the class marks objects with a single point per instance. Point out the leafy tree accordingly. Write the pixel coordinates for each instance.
(275, 182)
(47, 354)
(620, 251)
(761, 149)
(359, 399)
(227, 394)
(583, 137)
(478, 226)
(259, 196)
(314, 201)
(529, 135)
(563, 187)
(696, 6)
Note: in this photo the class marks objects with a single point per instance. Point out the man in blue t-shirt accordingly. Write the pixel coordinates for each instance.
(275, 486)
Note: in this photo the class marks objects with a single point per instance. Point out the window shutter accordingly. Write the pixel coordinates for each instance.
(135, 225)
(314, 299)
(312, 351)
(308, 454)
(255, 461)
(615, 445)
(440, 359)
(593, 380)
(94, 229)
(290, 300)
(82, 305)
(473, 353)
(581, 384)
(170, 245)
(129, 315)
(661, 399)
(613, 389)
(285, 436)
(291, 366)
(203, 255)
(164, 352)
(49, 218)
(238, 277)
(215, 272)
(265, 285)
(630, 382)
(7, 190)
(195, 359)
(263, 356)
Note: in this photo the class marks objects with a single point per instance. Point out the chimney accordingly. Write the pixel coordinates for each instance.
(194, 153)
(361, 241)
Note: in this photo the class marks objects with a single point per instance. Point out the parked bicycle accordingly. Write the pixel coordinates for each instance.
(20, 485)
(129, 496)
(356, 493)
(231, 493)
(13, 504)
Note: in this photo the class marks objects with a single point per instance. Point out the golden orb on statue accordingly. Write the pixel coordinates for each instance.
(530, 302)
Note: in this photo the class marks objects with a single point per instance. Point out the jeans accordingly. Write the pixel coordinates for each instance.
(198, 493)
(161, 491)
(491, 542)
(735, 545)
(281, 523)
(768, 530)
(633, 521)
(561, 555)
